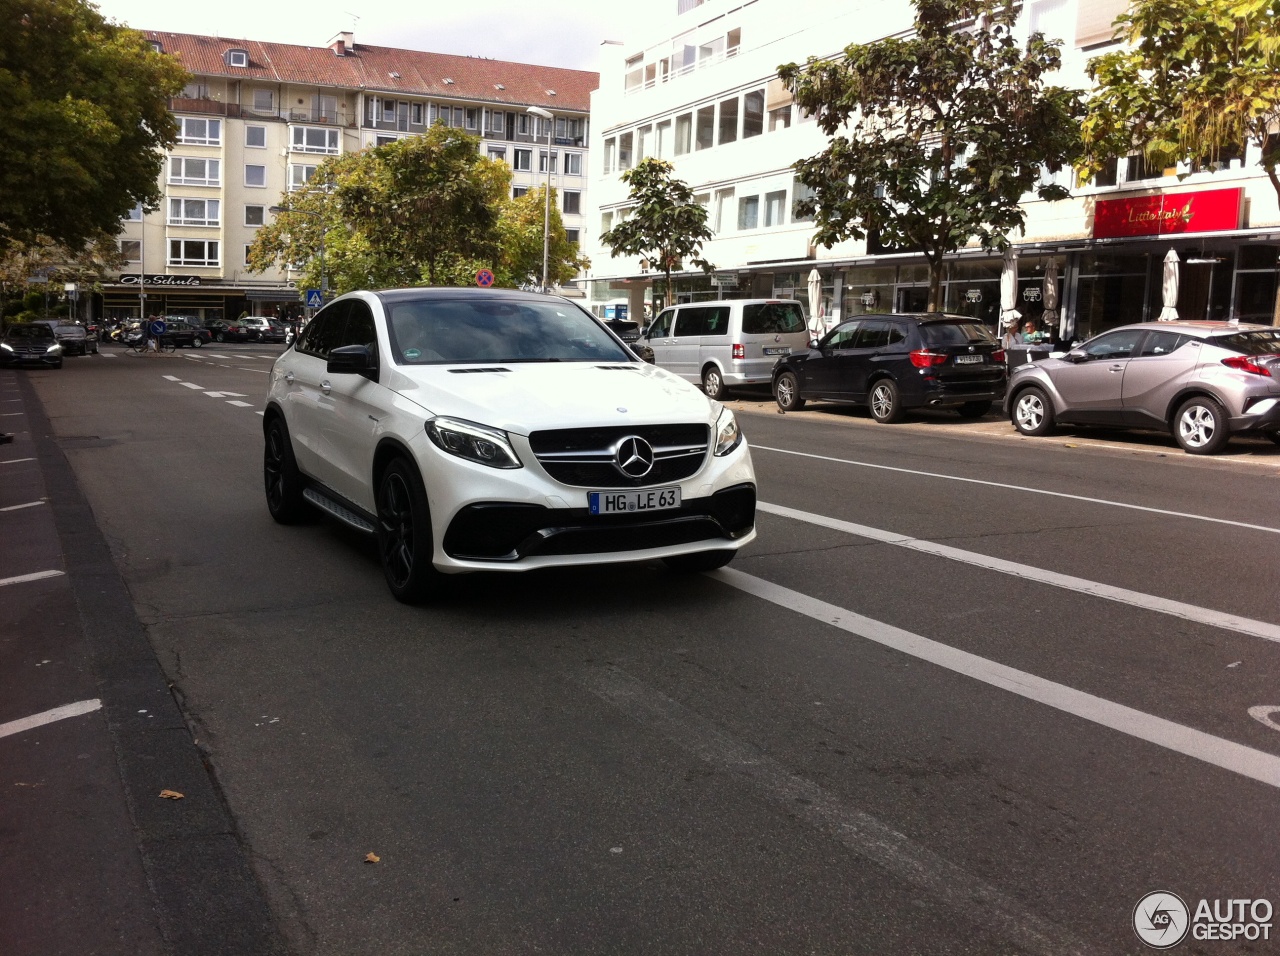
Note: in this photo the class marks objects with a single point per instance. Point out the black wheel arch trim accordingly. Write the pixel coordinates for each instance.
(1194, 391)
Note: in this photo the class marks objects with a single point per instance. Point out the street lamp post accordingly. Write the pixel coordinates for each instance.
(546, 214)
(324, 276)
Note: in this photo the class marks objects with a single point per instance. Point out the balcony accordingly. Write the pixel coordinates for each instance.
(186, 104)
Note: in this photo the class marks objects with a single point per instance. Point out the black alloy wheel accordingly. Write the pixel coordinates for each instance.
(280, 475)
(220, 337)
(404, 535)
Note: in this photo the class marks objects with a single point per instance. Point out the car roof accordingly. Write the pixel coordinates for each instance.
(1201, 328)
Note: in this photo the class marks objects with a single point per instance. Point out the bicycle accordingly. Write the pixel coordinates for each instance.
(162, 345)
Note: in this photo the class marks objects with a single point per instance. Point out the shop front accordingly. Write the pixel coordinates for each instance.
(203, 299)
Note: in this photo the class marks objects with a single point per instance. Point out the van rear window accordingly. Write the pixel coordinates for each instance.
(761, 318)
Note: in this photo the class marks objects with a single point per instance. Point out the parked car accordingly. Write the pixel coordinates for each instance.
(512, 432)
(184, 332)
(247, 329)
(30, 343)
(71, 335)
(894, 363)
(629, 332)
(728, 342)
(1201, 381)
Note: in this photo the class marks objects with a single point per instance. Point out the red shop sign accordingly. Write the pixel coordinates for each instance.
(1172, 214)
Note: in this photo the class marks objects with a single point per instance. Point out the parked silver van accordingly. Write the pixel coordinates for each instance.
(727, 342)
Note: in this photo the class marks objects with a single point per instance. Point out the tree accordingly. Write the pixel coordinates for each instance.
(1199, 78)
(520, 227)
(44, 267)
(666, 225)
(944, 134)
(87, 122)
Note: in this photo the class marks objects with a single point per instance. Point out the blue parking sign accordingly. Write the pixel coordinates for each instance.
(314, 299)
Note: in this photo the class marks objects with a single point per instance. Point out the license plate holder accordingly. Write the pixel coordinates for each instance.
(970, 359)
(780, 350)
(629, 502)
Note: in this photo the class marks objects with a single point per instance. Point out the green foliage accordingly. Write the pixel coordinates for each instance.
(936, 137)
(424, 210)
(666, 225)
(1198, 77)
(87, 122)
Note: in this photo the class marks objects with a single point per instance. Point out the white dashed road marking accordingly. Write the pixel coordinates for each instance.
(173, 378)
(240, 404)
(28, 504)
(225, 394)
(14, 461)
(198, 388)
(24, 578)
(49, 716)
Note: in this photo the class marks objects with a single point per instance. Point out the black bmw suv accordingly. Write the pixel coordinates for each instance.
(892, 363)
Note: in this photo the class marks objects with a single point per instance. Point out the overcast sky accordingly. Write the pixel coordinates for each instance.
(565, 33)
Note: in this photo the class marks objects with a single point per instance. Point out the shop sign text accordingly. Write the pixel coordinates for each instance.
(1172, 214)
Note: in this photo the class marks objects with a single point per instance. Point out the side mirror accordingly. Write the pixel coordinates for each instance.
(1077, 355)
(813, 343)
(353, 359)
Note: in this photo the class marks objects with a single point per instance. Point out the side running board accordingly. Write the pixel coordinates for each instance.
(338, 510)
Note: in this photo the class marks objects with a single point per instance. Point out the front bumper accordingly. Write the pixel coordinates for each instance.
(30, 359)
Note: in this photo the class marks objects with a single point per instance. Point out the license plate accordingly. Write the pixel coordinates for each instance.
(784, 350)
(623, 502)
(970, 359)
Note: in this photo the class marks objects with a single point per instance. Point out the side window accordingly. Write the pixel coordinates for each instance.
(1113, 345)
(325, 333)
(715, 320)
(843, 337)
(692, 321)
(360, 329)
(661, 327)
(897, 334)
(872, 335)
(1161, 343)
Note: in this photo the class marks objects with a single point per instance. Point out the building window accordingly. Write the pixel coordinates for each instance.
(199, 132)
(644, 142)
(753, 114)
(624, 150)
(457, 117)
(324, 107)
(131, 249)
(662, 145)
(522, 124)
(264, 101)
(193, 212)
(728, 121)
(775, 208)
(748, 212)
(255, 175)
(196, 90)
(606, 221)
(255, 137)
(523, 160)
(417, 114)
(255, 215)
(573, 164)
(542, 160)
(704, 134)
(799, 193)
(498, 153)
(388, 111)
(720, 217)
(247, 247)
(684, 134)
(384, 140)
(1107, 176)
(300, 174)
(473, 118)
(188, 171)
(573, 203)
(315, 139)
(193, 252)
(780, 118)
(572, 235)
(134, 214)
(497, 121)
(1137, 169)
(518, 191)
(237, 58)
(610, 154)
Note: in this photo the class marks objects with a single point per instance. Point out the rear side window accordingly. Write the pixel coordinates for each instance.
(703, 320)
(872, 335)
(955, 333)
(1258, 342)
(763, 318)
(1162, 343)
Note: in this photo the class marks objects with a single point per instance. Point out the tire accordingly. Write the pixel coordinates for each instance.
(197, 342)
(1032, 412)
(713, 383)
(1200, 426)
(885, 402)
(974, 409)
(1274, 436)
(404, 535)
(220, 337)
(258, 337)
(701, 561)
(786, 392)
(280, 476)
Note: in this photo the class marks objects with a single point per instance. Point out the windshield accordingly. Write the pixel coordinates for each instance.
(1257, 342)
(955, 333)
(443, 330)
(34, 333)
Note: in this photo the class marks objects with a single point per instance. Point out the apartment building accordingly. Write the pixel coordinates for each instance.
(702, 91)
(258, 118)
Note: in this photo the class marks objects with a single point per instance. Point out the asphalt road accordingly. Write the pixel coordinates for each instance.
(967, 693)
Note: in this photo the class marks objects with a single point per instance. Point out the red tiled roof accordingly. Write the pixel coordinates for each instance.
(371, 68)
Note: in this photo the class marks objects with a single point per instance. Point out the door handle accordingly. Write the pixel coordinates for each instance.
(1117, 368)
(325, 386)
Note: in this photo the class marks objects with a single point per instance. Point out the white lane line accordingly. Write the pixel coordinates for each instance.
(1150, 602)
(198, 388)
(49, 716)
(28, 504)
(12, 414)
(108, 354)
(216, 355)
(172, 378)
(1034, 491)
(260, 371)
(226, 394)
(866, 835)
(1218, 752)
(24, 578)
(14, 461)
(263, 414)
(238, 404)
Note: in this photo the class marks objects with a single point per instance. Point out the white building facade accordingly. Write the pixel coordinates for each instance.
(702, 91)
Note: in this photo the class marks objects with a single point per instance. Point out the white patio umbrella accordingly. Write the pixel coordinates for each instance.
(1050, 297)
(1009, 315)
(1169, 288)
(815, 302)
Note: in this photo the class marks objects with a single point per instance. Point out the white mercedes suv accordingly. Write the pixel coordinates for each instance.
(479, 429)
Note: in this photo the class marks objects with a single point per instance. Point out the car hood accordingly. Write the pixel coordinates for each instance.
(525, 397)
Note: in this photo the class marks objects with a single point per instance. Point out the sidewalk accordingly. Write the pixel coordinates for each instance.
(92, 859)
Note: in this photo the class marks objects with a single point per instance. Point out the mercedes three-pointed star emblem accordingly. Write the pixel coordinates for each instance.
(634, 457)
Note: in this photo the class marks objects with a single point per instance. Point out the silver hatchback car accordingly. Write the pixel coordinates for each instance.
(1202, 381)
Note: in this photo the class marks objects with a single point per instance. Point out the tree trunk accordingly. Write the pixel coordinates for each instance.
(935, 285)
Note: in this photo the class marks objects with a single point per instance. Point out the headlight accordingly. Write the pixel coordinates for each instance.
(6, 346)
(727, 434)
(53, 348)
(478, 443)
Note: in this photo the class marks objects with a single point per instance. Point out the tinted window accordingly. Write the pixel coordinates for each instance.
(897, 334)
(359, 329)
(1113, 345)
(843, 337)
(661, 327)
(325, 331)
(954, 333)
(703, 320)
(872, 335)
(1162, 343)
(762, 318)
(1259, 342)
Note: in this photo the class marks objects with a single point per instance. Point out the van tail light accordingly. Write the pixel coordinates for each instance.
(923, 358)
(1242, 363)
(739, 351)
(997, 355)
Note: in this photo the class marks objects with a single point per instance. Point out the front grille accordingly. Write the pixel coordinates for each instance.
(585, 457)
(497, 531)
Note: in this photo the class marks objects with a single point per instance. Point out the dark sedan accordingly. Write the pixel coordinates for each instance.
(892, 363)
(31, 343)
(184, 333)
